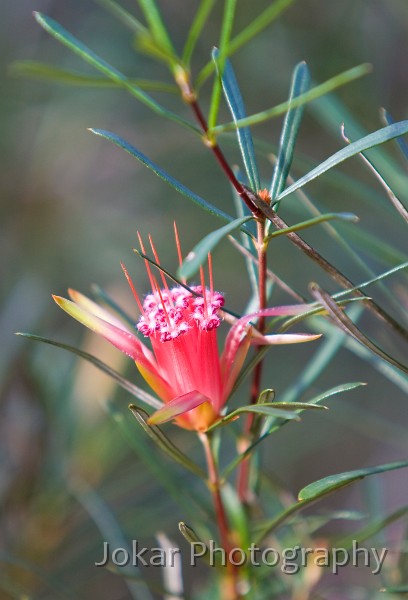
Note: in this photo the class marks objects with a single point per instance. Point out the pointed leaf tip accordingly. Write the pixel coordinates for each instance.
(284, 338)
(331, 483)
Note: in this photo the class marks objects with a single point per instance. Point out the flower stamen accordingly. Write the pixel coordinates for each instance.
(147, 265)
(156, 258)
(178, 246)
(203, 290)
(132, 287)
(210, 273)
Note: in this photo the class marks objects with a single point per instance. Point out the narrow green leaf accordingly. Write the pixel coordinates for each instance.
(124, 383)
(346, 325)
(401, 142)
(373, 139)
(291, 125)
(376, 279)
(332, 342)
(226, 28)
(159, 438)
(68, 40)
(280, 109)
(295, 320)
(237, 515)
(356, 254)
(237, 108)
(372, 528)
(319, 310)
(329, 484)
(330, 111)
(189, 534)
(156, 25)
(323, 263)
(182, 189)
(268, 430)
(199, 253)
(145, 44)
(317, 521)
(124, 16)
(267, 395)
(339, 389)
(349, 217)
(38, 70)
(396, 202)
(301, 406)
(269, 15)
(161, 470)
(396, 589)
(267, 408)
(322, 488)
(271, 426)
(192, 538)
(393, 374)
(196, 28)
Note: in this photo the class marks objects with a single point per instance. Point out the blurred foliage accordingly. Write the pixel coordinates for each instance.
(75, 468)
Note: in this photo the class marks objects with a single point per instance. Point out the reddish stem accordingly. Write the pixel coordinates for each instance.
(243, 475)
(222, 161)
(231, 580)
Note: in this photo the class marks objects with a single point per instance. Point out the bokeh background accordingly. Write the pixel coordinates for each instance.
(71, 204)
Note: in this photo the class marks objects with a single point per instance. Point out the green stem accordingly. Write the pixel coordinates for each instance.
(243, 486)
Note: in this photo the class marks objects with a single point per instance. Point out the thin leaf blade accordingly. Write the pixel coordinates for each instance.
(226, 28)
(369, 141)
(322, 488)
(196, 29)
(270, 14)
(199, 253)
(280, 109)
(81, 50)
(124, 383)
(331, 483)
(161, 440)
(45, 72)
(182, 189)
(156, 25)
(237, 108)
(347, 325)
(291, 125)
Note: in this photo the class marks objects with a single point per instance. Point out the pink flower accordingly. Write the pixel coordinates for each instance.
(184, 367)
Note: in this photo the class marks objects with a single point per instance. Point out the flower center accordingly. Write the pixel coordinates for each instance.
(169, 313)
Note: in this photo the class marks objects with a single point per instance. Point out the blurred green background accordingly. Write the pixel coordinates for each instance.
(71, 205)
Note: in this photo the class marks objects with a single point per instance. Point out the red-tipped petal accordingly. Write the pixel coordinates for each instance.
(240, 326)
(120, 338)
(237, 342)
(176, 407)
